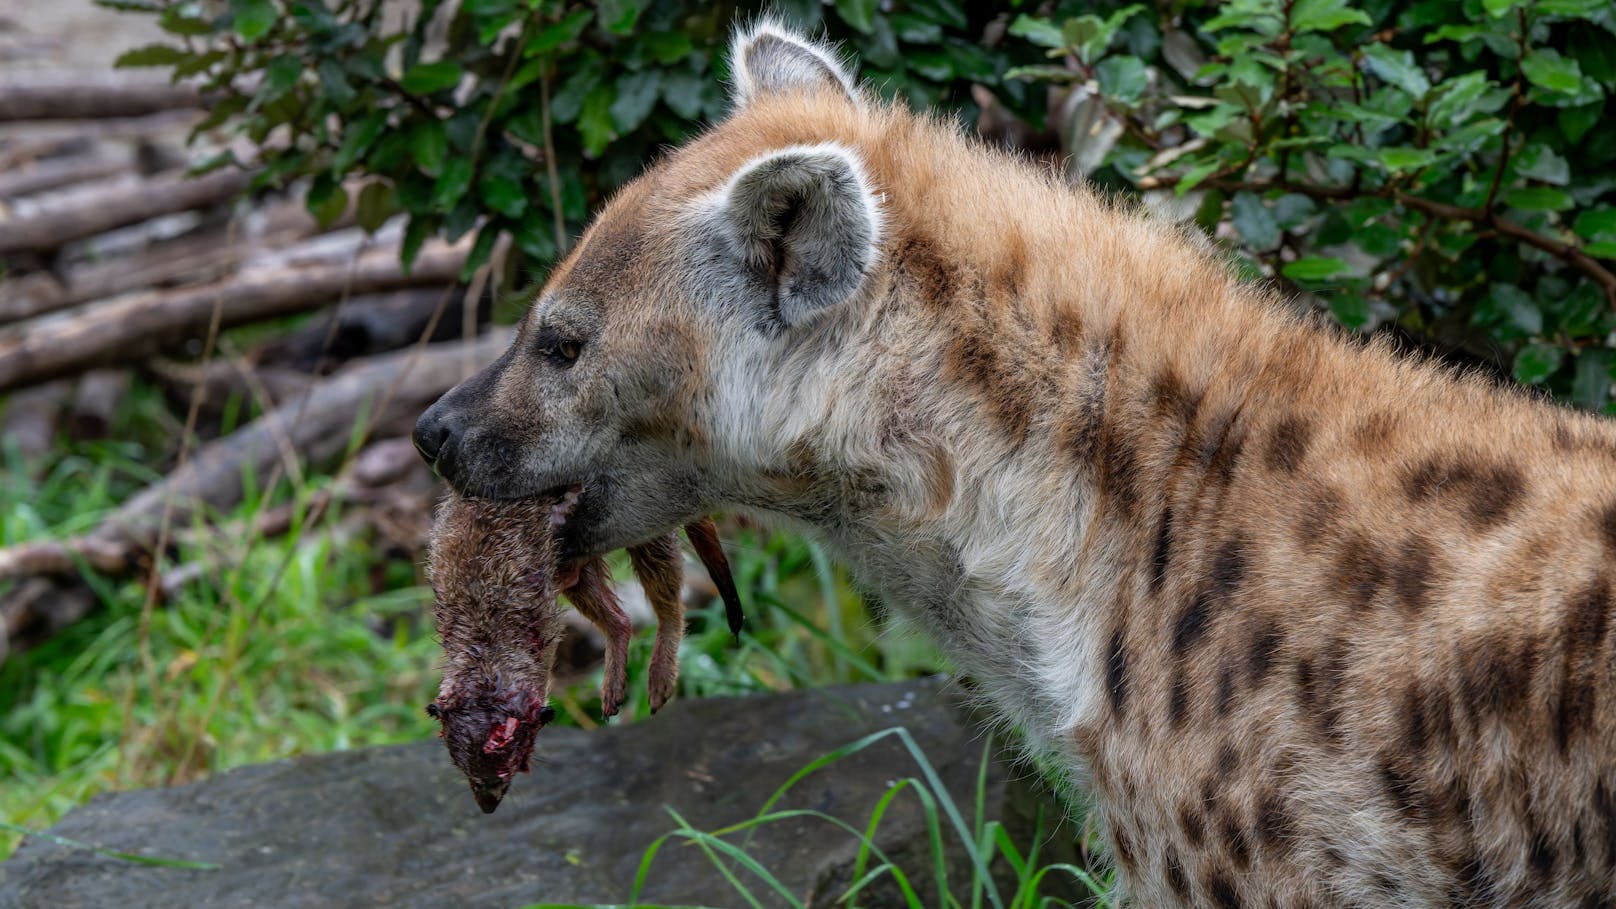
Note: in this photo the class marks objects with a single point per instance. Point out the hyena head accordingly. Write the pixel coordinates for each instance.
(651, 366)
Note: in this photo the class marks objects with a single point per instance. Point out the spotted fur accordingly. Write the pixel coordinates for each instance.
(1316, 624)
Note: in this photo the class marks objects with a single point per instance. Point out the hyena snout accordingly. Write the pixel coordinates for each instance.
(451, 433)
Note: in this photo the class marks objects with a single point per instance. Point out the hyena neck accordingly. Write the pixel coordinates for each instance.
(981, 453)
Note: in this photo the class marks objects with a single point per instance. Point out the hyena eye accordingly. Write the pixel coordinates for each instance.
(561, 351)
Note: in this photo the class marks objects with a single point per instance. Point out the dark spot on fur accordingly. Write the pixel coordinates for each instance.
(1223, 892)
(1189, 821)
(1228, 569)
(1172, 400)
(1177, 881)
(1318, 686)
(977, 357)
(1124, 847)
(1221, 446)
(1275, 828)
(1320, 516)
(1374, 434)
(1587, 620)
(1605, 809)
(1288, 444)
(1412, 574)
(1542, 855)
(1360, 571)
(1178, 702)
(932, 278)
(1224, 701)
(1118, 469)
(1607, 526)
(1488, 492)
(1237, 841)
(1163, 552)
(1494, 679)
(1265, 643)
(1116, 672)
(1193, 623)
(1228, 762)
(1416, 727)
(1403, 793)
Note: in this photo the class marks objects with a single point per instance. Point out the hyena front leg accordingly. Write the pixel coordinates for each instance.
(660, 567)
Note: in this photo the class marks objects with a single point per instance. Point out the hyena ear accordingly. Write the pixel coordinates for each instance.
(797, 231)
(768, 58)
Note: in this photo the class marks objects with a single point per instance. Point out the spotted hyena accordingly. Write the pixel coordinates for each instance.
(1317, 624)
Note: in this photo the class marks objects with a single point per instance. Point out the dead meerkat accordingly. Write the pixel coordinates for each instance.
(496, 575)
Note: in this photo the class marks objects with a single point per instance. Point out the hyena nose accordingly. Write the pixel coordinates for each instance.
(434, 437)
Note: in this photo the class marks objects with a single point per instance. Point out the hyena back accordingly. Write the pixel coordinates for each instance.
(1318, 624)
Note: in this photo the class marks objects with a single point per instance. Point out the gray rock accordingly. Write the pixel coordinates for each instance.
(397, 826)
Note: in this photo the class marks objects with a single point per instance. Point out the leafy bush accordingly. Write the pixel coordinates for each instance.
(1439, 166)
(512, 116)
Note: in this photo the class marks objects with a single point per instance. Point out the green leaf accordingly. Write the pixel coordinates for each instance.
(1041, 32)
(327, 200)
(1350, 309)
(357, 138)
(253, 18)
(1539, 162)
(858, 14)
(681, 91)
(1196, 174)
(453, 182)
(334, 82)
(1404, 157)
(1123, 78)
(1545, 68)
(595, 121)
(553, 36)
(1397, 68)
(420, 227)
(151, 55)
(1291, 209)
(503, 193)
(636, 95)
(1254, 220)
(619, 16)
(1517, 307)
(377, 203)
(1605, 249)
(429, 146)
(426, 78)
(1496, 8)
(481, 249)
(1324, 16)
(1539, 198)
(1313, 268)
(1596, 223)
(1590, 387)
(1535, 363)
(1456, 98)
(177, 20)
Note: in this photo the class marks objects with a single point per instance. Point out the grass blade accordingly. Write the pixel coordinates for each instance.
(111, 853)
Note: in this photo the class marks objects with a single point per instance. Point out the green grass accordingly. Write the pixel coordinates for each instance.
(316, 642)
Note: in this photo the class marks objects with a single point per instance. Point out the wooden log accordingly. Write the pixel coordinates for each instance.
(135, 326)
(212, 385)
(96, 401)
(362, 327)
(318, 426)
(29, 295)
(29, 419)
(76, 95)
(30, 140)
(136, 201)
(64, 170)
